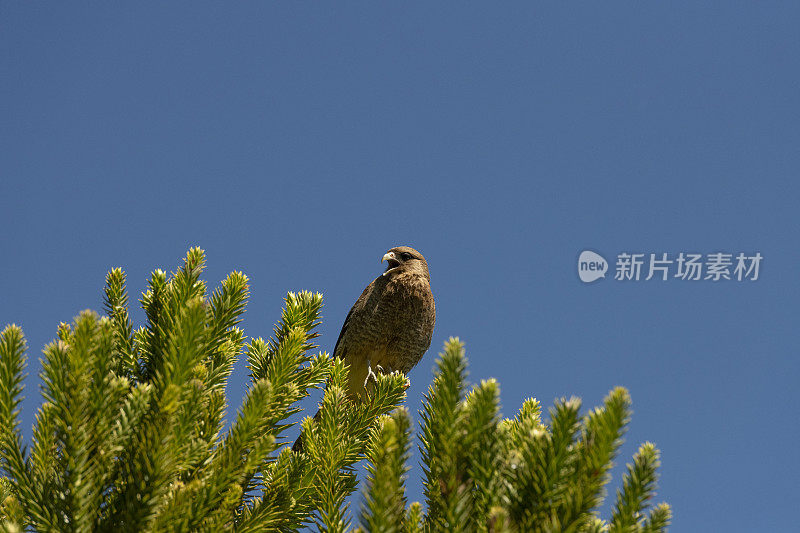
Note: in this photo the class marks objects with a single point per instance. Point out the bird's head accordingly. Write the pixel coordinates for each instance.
(405, 259)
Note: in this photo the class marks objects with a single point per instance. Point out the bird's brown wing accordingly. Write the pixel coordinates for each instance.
(357, 309)
(343, 331)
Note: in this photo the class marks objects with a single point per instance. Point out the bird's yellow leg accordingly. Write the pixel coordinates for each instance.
(370, 374)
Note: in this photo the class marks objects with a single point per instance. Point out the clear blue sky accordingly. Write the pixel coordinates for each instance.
(299, 141)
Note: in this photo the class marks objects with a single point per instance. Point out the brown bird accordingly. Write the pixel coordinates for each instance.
(389, 328)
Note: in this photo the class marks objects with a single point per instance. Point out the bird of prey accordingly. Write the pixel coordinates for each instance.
(389, 328)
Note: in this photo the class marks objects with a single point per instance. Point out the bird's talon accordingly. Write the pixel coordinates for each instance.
(370, 374)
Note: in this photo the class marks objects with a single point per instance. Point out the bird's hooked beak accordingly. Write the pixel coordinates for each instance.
(390, 258)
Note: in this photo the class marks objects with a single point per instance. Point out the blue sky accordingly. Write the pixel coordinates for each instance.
(298, 142)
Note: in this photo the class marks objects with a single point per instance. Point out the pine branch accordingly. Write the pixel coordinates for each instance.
(483, 447)
(149, 341)
(384, 504)
(13, 461)
(414, 519)
(658, 520)
(338, 438)
(287, 501)
(301, 313)
(116, 306)
(445, 487)
(331, 449)
(638, 488)
(245, 448)
(157, 448)
(542, 465)
(223, 341)
(12, 367)
(84, 415)
(601, 437)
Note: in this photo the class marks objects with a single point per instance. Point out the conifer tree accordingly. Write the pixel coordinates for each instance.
(131, 435)
(485, 473)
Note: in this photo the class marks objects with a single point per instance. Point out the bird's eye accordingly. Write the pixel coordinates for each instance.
(406, 256)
